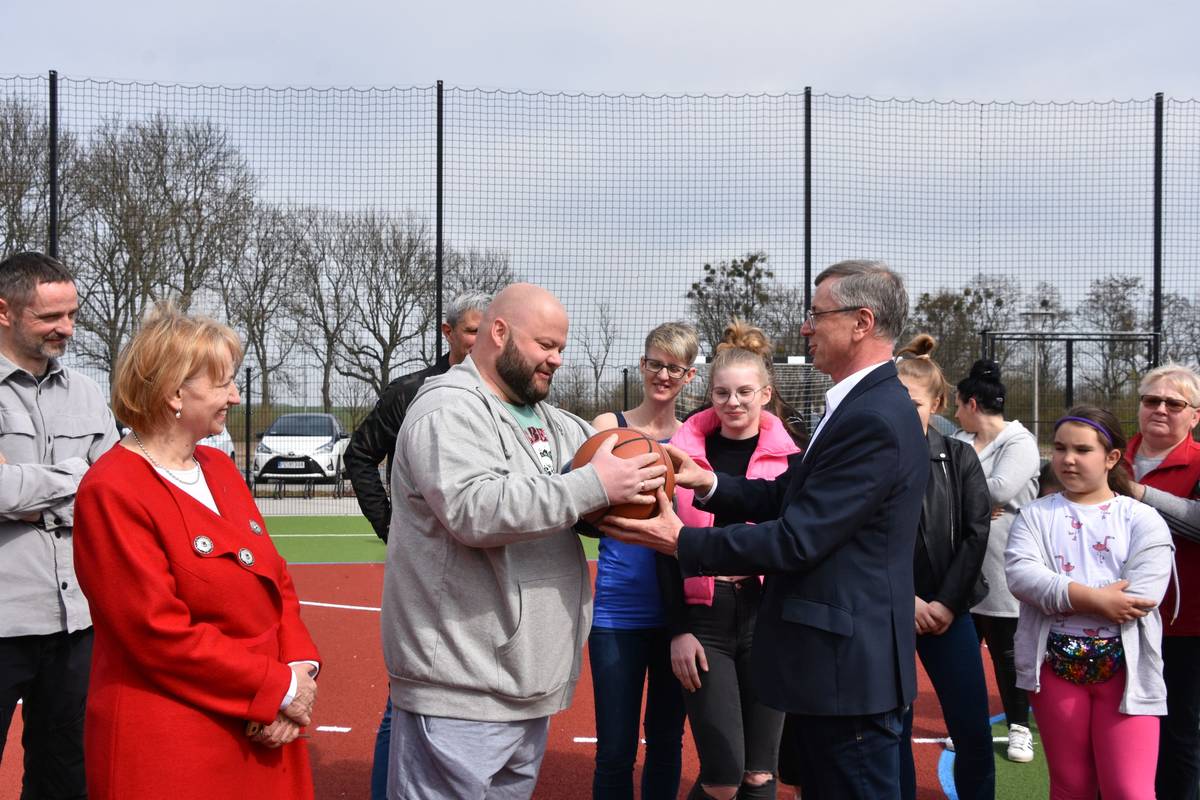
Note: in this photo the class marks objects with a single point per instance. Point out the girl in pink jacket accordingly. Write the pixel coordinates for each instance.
(713, 618)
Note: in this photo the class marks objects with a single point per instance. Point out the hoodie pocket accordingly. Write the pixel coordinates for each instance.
(537, 660)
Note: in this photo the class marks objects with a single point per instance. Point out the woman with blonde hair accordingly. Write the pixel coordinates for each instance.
(202, 672)
(629, 646)
(950, 546)
(1164, 459)
(737, 737)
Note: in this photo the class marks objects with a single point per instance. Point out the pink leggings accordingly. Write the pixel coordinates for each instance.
(1090, 745)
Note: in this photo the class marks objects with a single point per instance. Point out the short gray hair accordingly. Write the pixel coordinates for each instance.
(467, 301)
(873, 285)
(1181, 378)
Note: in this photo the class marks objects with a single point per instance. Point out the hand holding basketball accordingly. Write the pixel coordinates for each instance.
(631, 467)
(688, 473)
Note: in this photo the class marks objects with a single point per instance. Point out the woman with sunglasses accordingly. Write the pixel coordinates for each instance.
(737, 737)
(1165, 460)
(629, 646)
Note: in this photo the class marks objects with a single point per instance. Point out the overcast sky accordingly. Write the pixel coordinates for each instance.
(982, 50)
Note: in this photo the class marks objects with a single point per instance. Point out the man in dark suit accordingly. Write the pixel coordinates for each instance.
(834, 646)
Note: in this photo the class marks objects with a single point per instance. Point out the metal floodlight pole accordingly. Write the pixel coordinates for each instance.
(1155, 352)
(52, 168)
(807, 204)
(437, 257)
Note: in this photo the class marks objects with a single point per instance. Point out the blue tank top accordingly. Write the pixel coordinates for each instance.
(626, 596)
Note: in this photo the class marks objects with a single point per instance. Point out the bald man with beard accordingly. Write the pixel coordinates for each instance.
(487, 595)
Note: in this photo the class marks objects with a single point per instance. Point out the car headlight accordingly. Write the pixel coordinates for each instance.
(327, 447)
(262, 448)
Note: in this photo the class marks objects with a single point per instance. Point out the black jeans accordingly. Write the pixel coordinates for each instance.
(998, 632)
(734, 732)
(844, 758)
(51, 673)
(1178, 775)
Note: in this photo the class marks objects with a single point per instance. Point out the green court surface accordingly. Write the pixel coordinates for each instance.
(339, 540)
(1020, 780)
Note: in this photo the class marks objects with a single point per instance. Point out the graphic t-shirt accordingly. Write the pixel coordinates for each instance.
(1091, 545)
(535, 430)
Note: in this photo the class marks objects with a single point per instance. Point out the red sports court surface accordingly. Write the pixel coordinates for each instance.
(353, 690)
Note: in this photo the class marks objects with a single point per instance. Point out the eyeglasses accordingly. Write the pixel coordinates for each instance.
(744, 395)
(1151, 402)
(810, 319)
(653, 366)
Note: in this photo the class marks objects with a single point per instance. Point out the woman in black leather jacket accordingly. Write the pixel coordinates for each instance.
(951, 542)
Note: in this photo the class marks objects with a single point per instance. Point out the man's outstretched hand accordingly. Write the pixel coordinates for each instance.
(659, 533)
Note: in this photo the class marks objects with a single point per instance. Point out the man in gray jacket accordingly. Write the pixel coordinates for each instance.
(487, 595)
(54, 423)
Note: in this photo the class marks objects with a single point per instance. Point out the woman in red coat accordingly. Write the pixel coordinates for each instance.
(202, 671)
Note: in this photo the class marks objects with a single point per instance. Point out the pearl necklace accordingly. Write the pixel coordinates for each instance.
(157, 465)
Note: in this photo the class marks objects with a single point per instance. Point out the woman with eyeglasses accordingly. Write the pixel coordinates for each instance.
(629, 645)
(713, 618)
(1009, 455)
(1165, 460)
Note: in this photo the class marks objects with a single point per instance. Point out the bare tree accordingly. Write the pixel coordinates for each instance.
(24, 177)
(738, 288)
(258, 289)
(1181, 330)
(324, 293)
(486, 271)
(1112, 305)
(597, 344)
(162, 204)
(392, 261)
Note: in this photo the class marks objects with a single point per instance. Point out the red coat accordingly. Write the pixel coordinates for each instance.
(1178, 474)
(196, 620)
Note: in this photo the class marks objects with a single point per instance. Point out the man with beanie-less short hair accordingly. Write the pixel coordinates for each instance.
(54, 423)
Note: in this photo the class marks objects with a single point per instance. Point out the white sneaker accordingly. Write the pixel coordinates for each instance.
(1020, 744)
(949, 744)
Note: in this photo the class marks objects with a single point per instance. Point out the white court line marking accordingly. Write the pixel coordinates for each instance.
(323, 536)
(338, 605)
(332, 729)
(945, 739)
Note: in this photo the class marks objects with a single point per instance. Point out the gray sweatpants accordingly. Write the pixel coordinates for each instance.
(438, 758)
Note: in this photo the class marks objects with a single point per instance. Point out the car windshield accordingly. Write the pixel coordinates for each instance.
(302, 425)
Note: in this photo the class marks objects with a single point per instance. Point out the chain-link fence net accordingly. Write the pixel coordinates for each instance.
(307, 219)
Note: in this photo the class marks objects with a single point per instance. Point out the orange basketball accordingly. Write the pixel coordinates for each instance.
(630, 443)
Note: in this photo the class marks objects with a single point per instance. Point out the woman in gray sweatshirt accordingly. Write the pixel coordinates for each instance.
(1009, 455)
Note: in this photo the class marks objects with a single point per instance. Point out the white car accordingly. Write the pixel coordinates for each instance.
(302, 448)
(223, 442)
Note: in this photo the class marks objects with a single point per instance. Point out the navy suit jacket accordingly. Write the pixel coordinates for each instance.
(835, 538)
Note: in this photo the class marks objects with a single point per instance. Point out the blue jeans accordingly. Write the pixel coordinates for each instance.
(622, 662)
(843, 758)
(383, 743)
(955, 668)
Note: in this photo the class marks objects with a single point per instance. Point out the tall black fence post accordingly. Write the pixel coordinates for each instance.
(52, 168)
(1156, 353)
(807, 204)
(437, 257)
(248, 406)
(1069, 395)
(624, 388)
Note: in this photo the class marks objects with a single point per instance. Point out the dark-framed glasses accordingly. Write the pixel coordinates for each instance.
(1151, 402)
(810, 319)
(744, 395)
(653, 366)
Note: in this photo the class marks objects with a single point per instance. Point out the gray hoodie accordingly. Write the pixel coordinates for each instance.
(487, 596)
(1043, 593)
(1011, 463)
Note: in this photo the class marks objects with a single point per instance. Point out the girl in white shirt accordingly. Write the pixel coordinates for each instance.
(1089, 566)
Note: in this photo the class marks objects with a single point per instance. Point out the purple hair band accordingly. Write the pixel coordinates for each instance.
(1090, 422)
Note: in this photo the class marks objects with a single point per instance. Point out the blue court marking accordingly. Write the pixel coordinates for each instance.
(946, 767)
